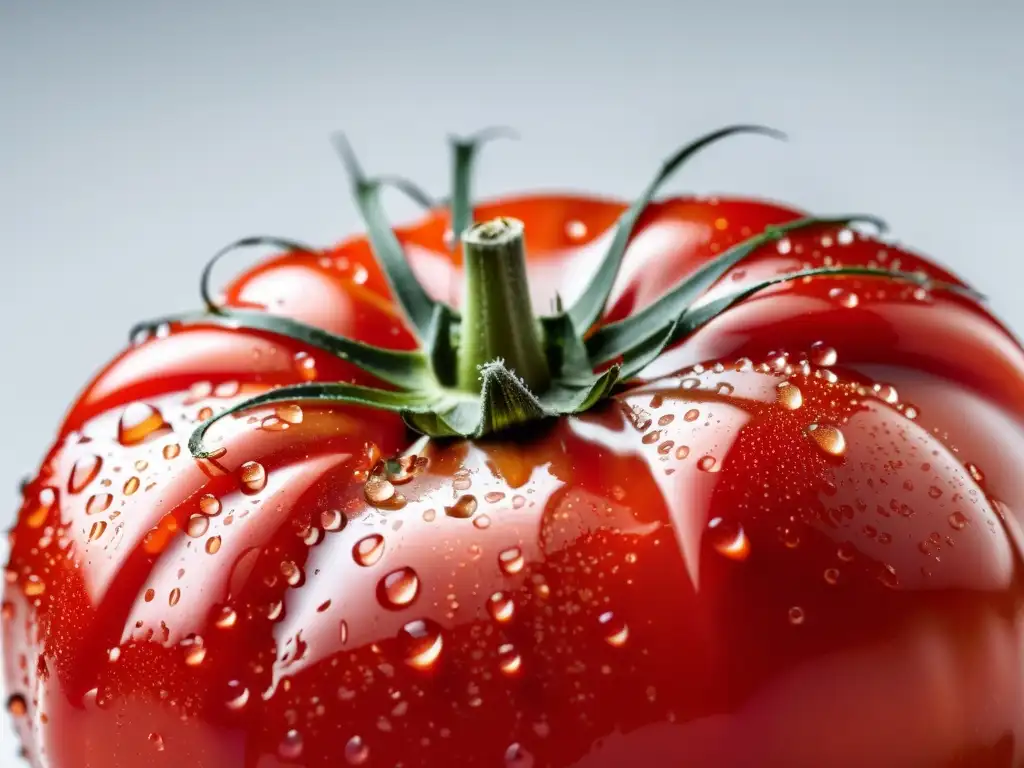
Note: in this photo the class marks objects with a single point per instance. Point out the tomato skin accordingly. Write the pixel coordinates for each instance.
(688, 574)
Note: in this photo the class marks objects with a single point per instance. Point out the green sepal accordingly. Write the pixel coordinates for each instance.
(404, 369)
(566, 352)
(205, 278)
(612, 340)
(587, 309)
(416, 304)
(464, 151)
(440, 344)
(331, 392)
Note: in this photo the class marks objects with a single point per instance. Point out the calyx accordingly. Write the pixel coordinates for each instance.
(496, 365)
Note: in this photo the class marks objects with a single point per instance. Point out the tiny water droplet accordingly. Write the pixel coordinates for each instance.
(157, 741)
(691, 415)
(828, 438)
(84, 472)
(976, 473)
(238, 695)
(575, 229)
(784, 246)
(289, 413)
(958, 521)
(482, 522)
(796, 615)
(707, 464)
(98, 503)
(823, 355)
(195, 651)
(369, 549)
(509, 660)
(789, 396)
(398, 589)
(292, 573)
(291, 746)
(356, 751)
(332, 520)
(131, 485)
(209, 505)
(197, 525)
(253, 476)
(226, 618)
(174, 597)
(16, 705)
(464, 507)
(888, 575)
(139, 422)
(306, 366)
(213, 545)
(844, 298)
(33, 586)
(501, 607)
(511, 560)
(832, 576)
(729, 539)
(682, 452)
(422, 643)
(97, 530)
(886, 392)
(616, 632)
(172, 451)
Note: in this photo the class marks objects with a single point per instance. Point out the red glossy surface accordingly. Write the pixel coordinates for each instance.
(798, 543)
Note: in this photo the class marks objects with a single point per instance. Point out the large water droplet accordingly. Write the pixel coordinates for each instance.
(511, 560)
(707, 464)
(174, 597)
(356, 751)
(615, 630)
(378, 489)
(828, 438)
(789, 396)
(140, 422)
(333, 520)
(97, 530)
(517, 757)
(98, 503)
(131, 485)
(958, 521)
(729, 539)
(213, 545)
(238, 695)
(509, 660)
(195, 651)
(368, 550)
(421, 642)
(253, 476)
(209, 505)
(157, 741)
(172, 451)
(398, 589)
(289, 413)
(886, 392)
(197, 525)
(226, 618)
(84, 472)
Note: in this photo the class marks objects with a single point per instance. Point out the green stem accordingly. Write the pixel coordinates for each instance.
(498, 321)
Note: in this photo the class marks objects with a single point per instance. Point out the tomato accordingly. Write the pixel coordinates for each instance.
(793, 538)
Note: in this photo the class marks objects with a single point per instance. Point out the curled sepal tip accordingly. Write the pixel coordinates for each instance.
(464, 151)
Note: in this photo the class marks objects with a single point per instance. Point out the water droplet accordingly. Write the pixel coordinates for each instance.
(886, 393)
(149, 595)
(888, 575)
(292, 573)
(509, 660)
(291, 746)
(356, 751)
(729, 539)
(213, 545)
(157, 741)
(846, 552)
(305, 366)
(575, 229)
(465, 506)
(138, 423)
(131, 485)
(976, 473)
(174, 597)
(209, 505)
(84, 472)
(254, 477)
(197, 525)
(226, 618)
(682, 452)
(98, 503)
(33, 586)
(17, 705)
(691, 415)
(421, 643)
(707, 464)
(721, 224)
(789, 396)
(332, 520)
(195, 651)
(483, 522)
(369, 549)
(511, 560)
(822, 354)
(501, 607)
(844, 298)
(97, 530)
(616, 633)
(832, 576)
(172, 451)
(784, 246)
(796, 615)
(958, 521)
(828, 438)
(7, 610)
(238, 695)
(289, 413)
(398, 589)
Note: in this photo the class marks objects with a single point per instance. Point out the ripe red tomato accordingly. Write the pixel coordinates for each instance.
(793, 541)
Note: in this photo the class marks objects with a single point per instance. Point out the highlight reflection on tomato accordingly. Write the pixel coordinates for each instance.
(763, 511)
